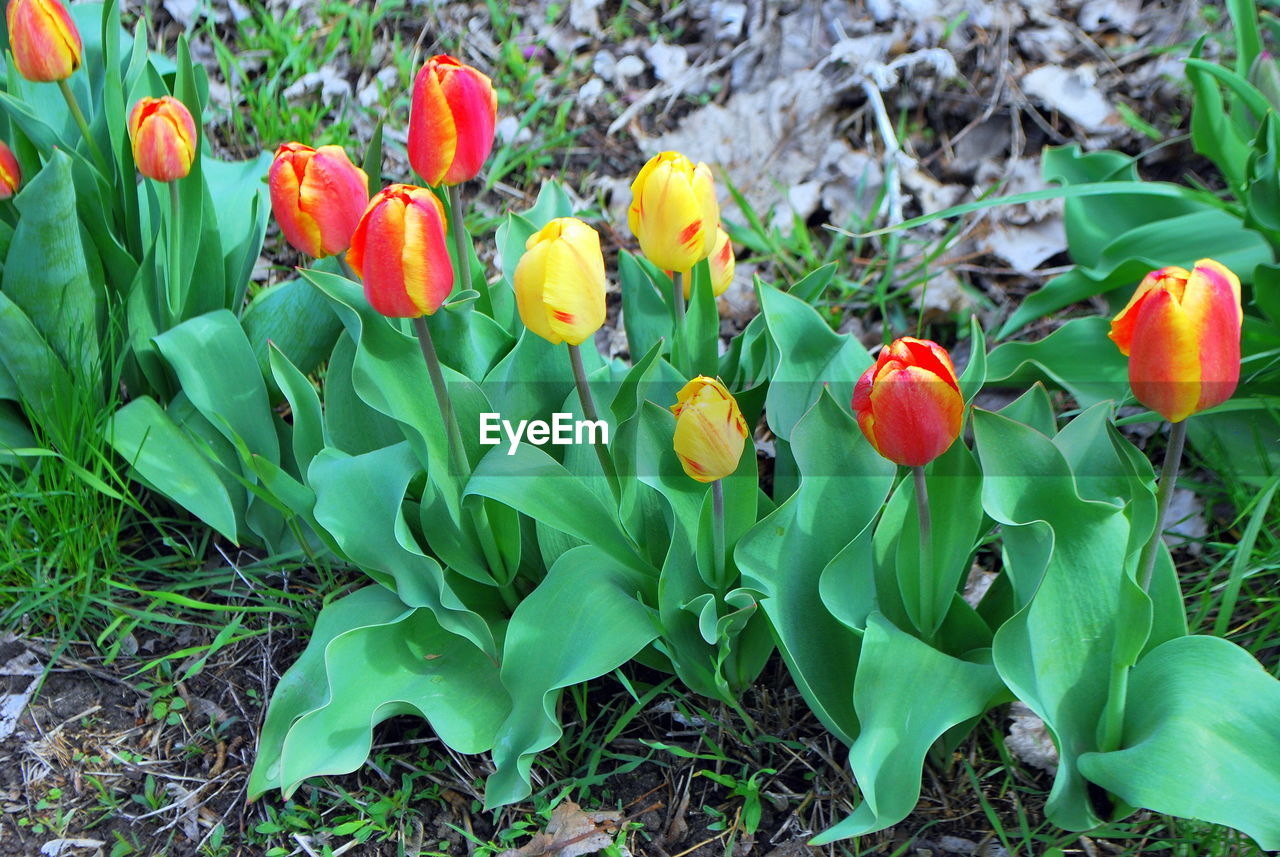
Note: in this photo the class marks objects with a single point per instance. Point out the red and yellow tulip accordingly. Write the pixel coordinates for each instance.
(674, 214)
(46, 44)
(721, 261)
(10, 172)
(710, 430)
(163, 135)
(317, 196)
(399, 250)
(451, 121)
(908, 404)
(1181, 333)
(559, 282)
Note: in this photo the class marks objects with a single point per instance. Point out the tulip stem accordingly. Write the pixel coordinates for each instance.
(926, 553)
(462, 243)
(345, 267)
(78, 115)
(458, 457)
(173, 293)
(589, 411)
(677, 296)
(1164, 493)
(717, 531)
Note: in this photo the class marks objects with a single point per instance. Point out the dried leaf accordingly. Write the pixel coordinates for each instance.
(571, 832)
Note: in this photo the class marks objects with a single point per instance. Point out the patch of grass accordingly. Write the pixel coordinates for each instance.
(264, 55)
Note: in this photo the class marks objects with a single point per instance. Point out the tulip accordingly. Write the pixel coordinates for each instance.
(559, 282)
(10, 172)
(451, 121)
(317, 196)
(1181, 333)
(721, 261)
(46, 44)
(909, 404)
(674, 214)
(710, 430)
(164, 138)
(399, 250)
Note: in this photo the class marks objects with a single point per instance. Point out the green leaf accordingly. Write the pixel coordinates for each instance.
(30, 365)
(645, 315)
(974, 375)
(1104, 375)
(371, 658)
(304, 405)
(598, 626)
(1056, 653)
(1200, 738)
(535, 484)
(297, 320)
(811, 358)
(371, 531)
(234, 396)
(784, 555)
(907, 694)
(45, 271)
(167, 459)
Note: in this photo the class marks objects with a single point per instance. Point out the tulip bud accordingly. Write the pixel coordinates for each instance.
(46, 44)
(10, 172)
(1181, 333)
(317, 196)
(721, 261)
(909, 404)
(710, 430)
(164, 138)
(451, 121)
(674, 214)
(559, 282)
(399, 250)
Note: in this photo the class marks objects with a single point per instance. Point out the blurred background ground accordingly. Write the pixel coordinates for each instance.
(852, 115)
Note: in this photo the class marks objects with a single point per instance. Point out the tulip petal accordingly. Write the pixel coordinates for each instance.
(670, 217)
(1122, 325)
(530, 278)
(433, 134)
(46, 43)
(1164, 361)
(917, 415)
(285, 183)
(380, 257)
(333, 194)
(428, 273)
(573, 293)
(473, 106)
(1212, 305)
(709, 438)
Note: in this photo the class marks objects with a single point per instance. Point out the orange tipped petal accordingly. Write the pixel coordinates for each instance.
(46, 43)
(163, 136)
(451, 121)
(10, 172)
(1164, 362)
(909, 404)
(399, 250)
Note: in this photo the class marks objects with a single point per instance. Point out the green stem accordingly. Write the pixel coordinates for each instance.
(589, 411)
(173, 292)
(677, 297)
(458, 459)
(462, 244)
(925, 571)
(1164, 493)
(1111, 730)
(78, 116)
(346, 268)
(717, 531)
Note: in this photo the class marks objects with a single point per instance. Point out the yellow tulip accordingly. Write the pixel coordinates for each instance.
(710, 430)
(559, 282)
(674, 214)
